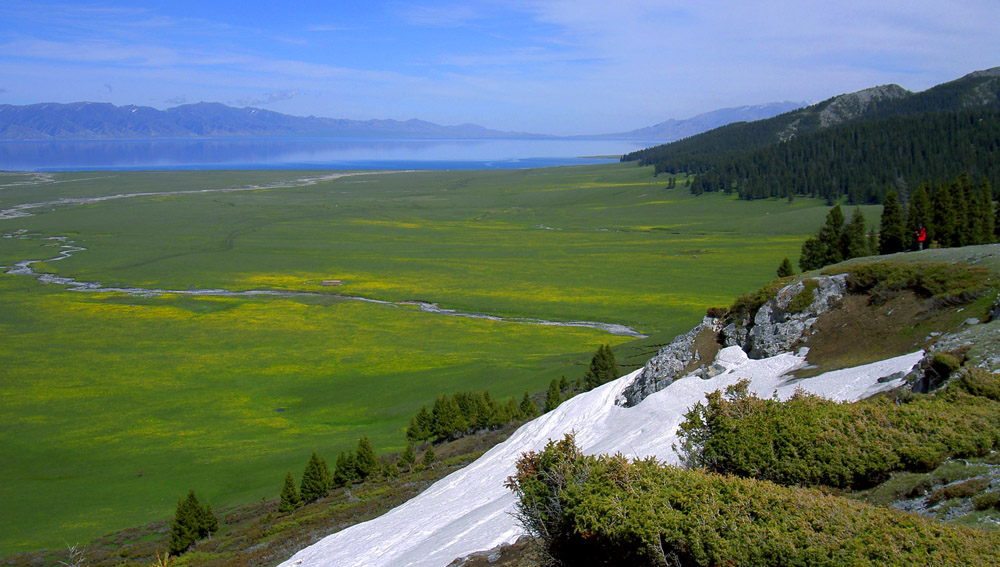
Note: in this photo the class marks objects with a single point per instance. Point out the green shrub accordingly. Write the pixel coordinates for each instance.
(611, 511)
(811, 441)
(986, 500)
(804, 298)
(946, 284)
(980, 382)
(745, 307)
(716, 312)
(964, 489)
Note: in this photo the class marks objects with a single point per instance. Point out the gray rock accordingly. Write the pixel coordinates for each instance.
(776, 330)
(668, 365)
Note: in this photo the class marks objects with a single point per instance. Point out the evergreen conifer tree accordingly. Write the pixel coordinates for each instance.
(855, 240)
(420, 426)
(603, 368)
(919, 216)
(408, 457)
(892, 229)
(191, 522)
(563, 384)
(996, 222)
(429, 457)
(344, 471)
(290, 498)
(981, 213)
(785, 269)
(315, 479)
(527, 407)
(209, 521)
(831, 237)
(446, 418)
(812, 255)
(945, 220)
(367, 461)
(554, 397)
(961, 190)
(184, 527)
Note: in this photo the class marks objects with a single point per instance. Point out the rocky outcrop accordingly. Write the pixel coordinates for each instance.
(777, 326)
(852, 105)
(785, 319)
(668, 364)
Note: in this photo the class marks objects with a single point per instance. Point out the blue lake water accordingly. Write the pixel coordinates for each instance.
(307, 154)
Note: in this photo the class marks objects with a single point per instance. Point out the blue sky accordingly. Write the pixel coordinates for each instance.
(559, 66)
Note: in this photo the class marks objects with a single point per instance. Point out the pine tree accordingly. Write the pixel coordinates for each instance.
(919, 216)
(603, 368)
(209, 521)
(960, 194)
(429, 457)
(367, 461)
(527, 407)
(554, 397)
(315, 479)
(831, 237)
(290, 497)
(945, 220)
(420, 426)
(855, 241)
(812, 255)
(785, 269)
(344, 471)
(191, 522)
(408, 457)
(446, 418)
(563, 384)
(981, 211)
(892, 232)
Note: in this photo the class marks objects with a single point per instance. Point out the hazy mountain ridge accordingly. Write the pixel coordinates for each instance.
(88, 120)
(674, 129)
(104, 121)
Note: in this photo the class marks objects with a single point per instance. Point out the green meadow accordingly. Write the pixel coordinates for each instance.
(112, 405)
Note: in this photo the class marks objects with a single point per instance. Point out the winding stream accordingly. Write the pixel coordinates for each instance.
(67, 249)
(24, 209)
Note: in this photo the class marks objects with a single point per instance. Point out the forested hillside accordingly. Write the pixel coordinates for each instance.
(856, 145)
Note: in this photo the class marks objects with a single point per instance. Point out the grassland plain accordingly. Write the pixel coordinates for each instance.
(113, 406)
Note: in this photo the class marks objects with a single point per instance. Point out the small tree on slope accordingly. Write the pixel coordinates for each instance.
(290, 497)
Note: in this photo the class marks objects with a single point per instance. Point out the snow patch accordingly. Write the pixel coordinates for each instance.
(470, 510)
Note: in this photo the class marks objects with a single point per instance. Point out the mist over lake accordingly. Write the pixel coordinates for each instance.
(308, 154)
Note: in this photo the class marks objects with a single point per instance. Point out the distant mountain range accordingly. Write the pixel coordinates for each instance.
(105, 121)
(676, 129)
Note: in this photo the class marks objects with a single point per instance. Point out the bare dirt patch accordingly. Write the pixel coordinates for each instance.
(861, 331)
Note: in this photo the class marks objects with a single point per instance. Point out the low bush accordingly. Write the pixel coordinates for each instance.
(810, 441)
(986, 501)
(945, 284)
(611, 511)
(964, 489)
(804, 298)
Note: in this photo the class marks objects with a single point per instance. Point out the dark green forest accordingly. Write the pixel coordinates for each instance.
(895, 142)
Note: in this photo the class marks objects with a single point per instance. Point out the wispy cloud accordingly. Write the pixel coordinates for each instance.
(270, 98)
(176, 100)
(328, 28)
(446, 15)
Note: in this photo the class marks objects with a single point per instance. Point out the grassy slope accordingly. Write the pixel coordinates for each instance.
(97, 387)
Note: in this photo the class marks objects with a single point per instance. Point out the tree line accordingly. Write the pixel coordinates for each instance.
(956, 213)
(863, 160)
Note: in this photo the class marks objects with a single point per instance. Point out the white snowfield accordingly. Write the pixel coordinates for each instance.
(470, 510)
